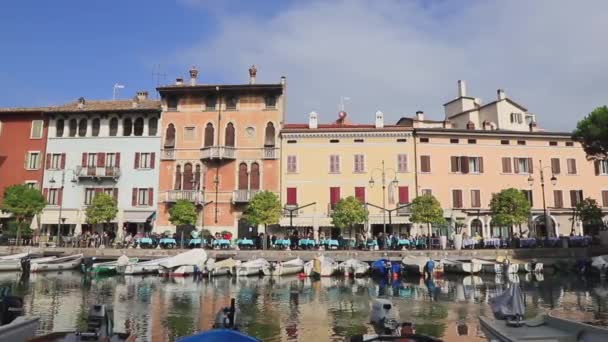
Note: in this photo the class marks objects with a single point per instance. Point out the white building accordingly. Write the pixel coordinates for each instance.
(101, 146)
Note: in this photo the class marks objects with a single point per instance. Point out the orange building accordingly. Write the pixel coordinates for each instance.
(219, 147)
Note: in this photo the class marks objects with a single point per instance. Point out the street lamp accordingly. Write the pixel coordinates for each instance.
(372, 182)
(52, 181)
(553, 180)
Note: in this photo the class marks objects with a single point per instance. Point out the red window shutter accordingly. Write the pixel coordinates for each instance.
(48, 161)
(63, 161)
(60, 196)
(115, 194)
(605, 198)
(404, 195)
(136, 161)
(464, 164)
(150, 196)
(596, 164)
(84, 160)
(516, 165)
(530, 166)
(454, 163)
(101, 159)
(45, 193)
(134, 197)
(117, 160)
(292, 196)
(360, 193)
(480, 159)
(152, 156)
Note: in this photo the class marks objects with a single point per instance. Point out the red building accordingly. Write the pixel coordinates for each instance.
(23, 133)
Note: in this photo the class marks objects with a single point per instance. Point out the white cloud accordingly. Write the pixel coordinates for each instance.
(400, 57)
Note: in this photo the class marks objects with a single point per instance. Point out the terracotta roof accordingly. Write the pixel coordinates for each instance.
(23, 109)
(457, 131)
(106, 106)
(458, 98)
(489, 104)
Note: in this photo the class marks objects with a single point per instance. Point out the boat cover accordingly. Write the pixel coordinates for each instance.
(260, 262)
(219, 335)
(509, 304)
(194, 257)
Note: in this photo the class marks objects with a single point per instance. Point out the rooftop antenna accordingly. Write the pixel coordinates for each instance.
(158, 77)
(115, 90)
(342, 99)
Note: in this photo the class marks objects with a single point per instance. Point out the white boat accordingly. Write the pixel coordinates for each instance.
(461, 266)
(415, 265)
(321, 266)
(354, 267)
(290, 267)
(531, 267)
(63, 263)
(15, 264)
(600, 263)
(489, 266)
(22, 328)
(14, 256)
(220, 268)
(145, 267)
(183, 264)
(252, 268)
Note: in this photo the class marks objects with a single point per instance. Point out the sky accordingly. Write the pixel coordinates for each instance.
(396, 56)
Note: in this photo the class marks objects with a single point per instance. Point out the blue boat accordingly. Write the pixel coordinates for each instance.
(384, 267)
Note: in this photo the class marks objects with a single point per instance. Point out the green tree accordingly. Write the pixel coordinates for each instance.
(592, 133)
(427, 209)
(509, 207)
(102, 210)
(264, 208)
(182, 213)
(348, 212)
(590, 214)
(23, 203)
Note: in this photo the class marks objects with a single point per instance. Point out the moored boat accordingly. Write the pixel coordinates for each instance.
(321, 266)
(220, 268)
(252, 268)
(63, 263)
(600, 263)
(290, 267)
(461, 266)
(15, 256)
(354, 267)
(416, 264)
(144, 267)
(112, 267)
(497, 267)
(384, 267)
(16, 264)
(183, 264)
(14, 326)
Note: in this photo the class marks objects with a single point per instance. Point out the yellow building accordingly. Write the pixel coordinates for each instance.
(322, 163)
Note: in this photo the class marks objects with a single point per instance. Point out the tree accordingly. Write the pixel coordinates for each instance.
(590, 214)
(102, 210)
(182, 213)
(348, 212)
(23, 203)
(264, 208)
(509, 207)
(427, 209)
(592, 133)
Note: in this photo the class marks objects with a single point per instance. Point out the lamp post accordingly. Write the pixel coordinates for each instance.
(383, 171)
(61, 220)
(542, 185)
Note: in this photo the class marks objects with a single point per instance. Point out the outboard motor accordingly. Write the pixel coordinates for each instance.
(11, 307)
(225, 318)
(87, 264)
(98, 324)
(25, 265)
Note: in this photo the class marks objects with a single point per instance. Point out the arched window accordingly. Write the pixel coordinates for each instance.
(178, 178)
(95, 127)
(243, 177)
(230, 134)
(476, 228)
(138, 129)
(209, 135)
(82, 127)
(127, 127)
(170, 136)
(188, 177)
(59, 125)
(73, 127)
(254, 179)
(152, 126)
(269, 136)
(113, 127)
(197, 177)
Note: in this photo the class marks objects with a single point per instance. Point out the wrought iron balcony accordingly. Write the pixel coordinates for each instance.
(217, 152)
(289, 210)
(167, 154)
(97, 172)
(243, 196)
(194, 196)
(404, 211)
(271, 153)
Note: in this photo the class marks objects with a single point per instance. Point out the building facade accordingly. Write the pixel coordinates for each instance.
(101, 146)
(219, 147)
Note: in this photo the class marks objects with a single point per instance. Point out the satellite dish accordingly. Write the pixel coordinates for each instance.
(342, 114)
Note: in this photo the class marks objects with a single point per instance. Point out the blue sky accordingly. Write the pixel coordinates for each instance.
(394, 56)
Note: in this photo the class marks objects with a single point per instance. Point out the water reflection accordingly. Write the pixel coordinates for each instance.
(290, 309)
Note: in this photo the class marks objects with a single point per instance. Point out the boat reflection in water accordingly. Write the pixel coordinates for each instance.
(289, 308)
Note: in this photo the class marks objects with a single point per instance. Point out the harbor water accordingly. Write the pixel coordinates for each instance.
(294, 309)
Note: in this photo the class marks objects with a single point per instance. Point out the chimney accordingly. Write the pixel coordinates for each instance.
(420, 115)
(462, 88)
(142, 95)
(501, 94)
(252, 72)
(533, 126)
(379, 119)
(179, 81)
(81, 103)
(313, 120)
(283, 80)
(135, 102)
(193, 74)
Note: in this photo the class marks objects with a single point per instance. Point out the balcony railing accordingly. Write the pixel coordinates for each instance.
(217, 152)
(404, 211)
(270, 153)
(194, 196)
(243, 196)
(98, 172)
(330, 208)
(289, 208)
(167, 154)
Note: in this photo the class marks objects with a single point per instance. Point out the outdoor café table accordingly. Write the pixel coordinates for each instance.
(195, 242)
(403, 243)
(146, 240)
(551, 242)
(421, 243)
(491, 242)
(329, 243)
(348, 243)
(469, 243)
(244, 243)
(579, 241)
(307, 243)
(167, 242)
(282, 243)
(372, 244)
(222, 243)
(527, 243)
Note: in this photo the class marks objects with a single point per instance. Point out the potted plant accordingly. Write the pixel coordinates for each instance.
(458, 227)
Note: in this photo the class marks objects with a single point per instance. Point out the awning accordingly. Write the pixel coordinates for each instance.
(378, 219)
(136, 216)
(71, 216)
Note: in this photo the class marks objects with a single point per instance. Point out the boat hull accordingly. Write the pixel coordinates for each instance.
(22, 328)
(58, 264)
(179, 271)
(461, 267)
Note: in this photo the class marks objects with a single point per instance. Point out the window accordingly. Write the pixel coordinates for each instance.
(55, 161)
(402, 140)
(210, 103)
(334, 141)
(231, 102)
(472, 141)
(558, 199)
(73, 127)
(89, 194)
(170, 136)
(571, 166)
(152, 126)
(424, 140)
(426, 192)
(37, 126)
(59, 127)
(529, 196)
(404, 194)
(569, 143)
(113, 127)
(142, 197)
(127, 127)
(292, 141)
(552, 143)
(454, 141)
(359, 166)
(601, 167)
(209, 134)
(425, 163)
(605, 198)
(359, 140)
(516, 118)
(111, 160)
(456, 198)
(172, 103)
(506, 165)
(53, 197)
(0, 127)
(504, 142)
(292, 164)
(92, 160)
(229, 136)
(144, 160)
(555, 166)
(521, 142)
(402, 163)
(112, 192)
(254, 177)
(138, 127)
(334, 164)
(243, 177)
(270, 101)
(82, 127)
(95, 127)
(292, 196)
(32, 184)
(522, 165)
(360, 193)
(467, 164)
(475, 199)
(32, 161)
(269, 135)
(576, 196)
(189, 133)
